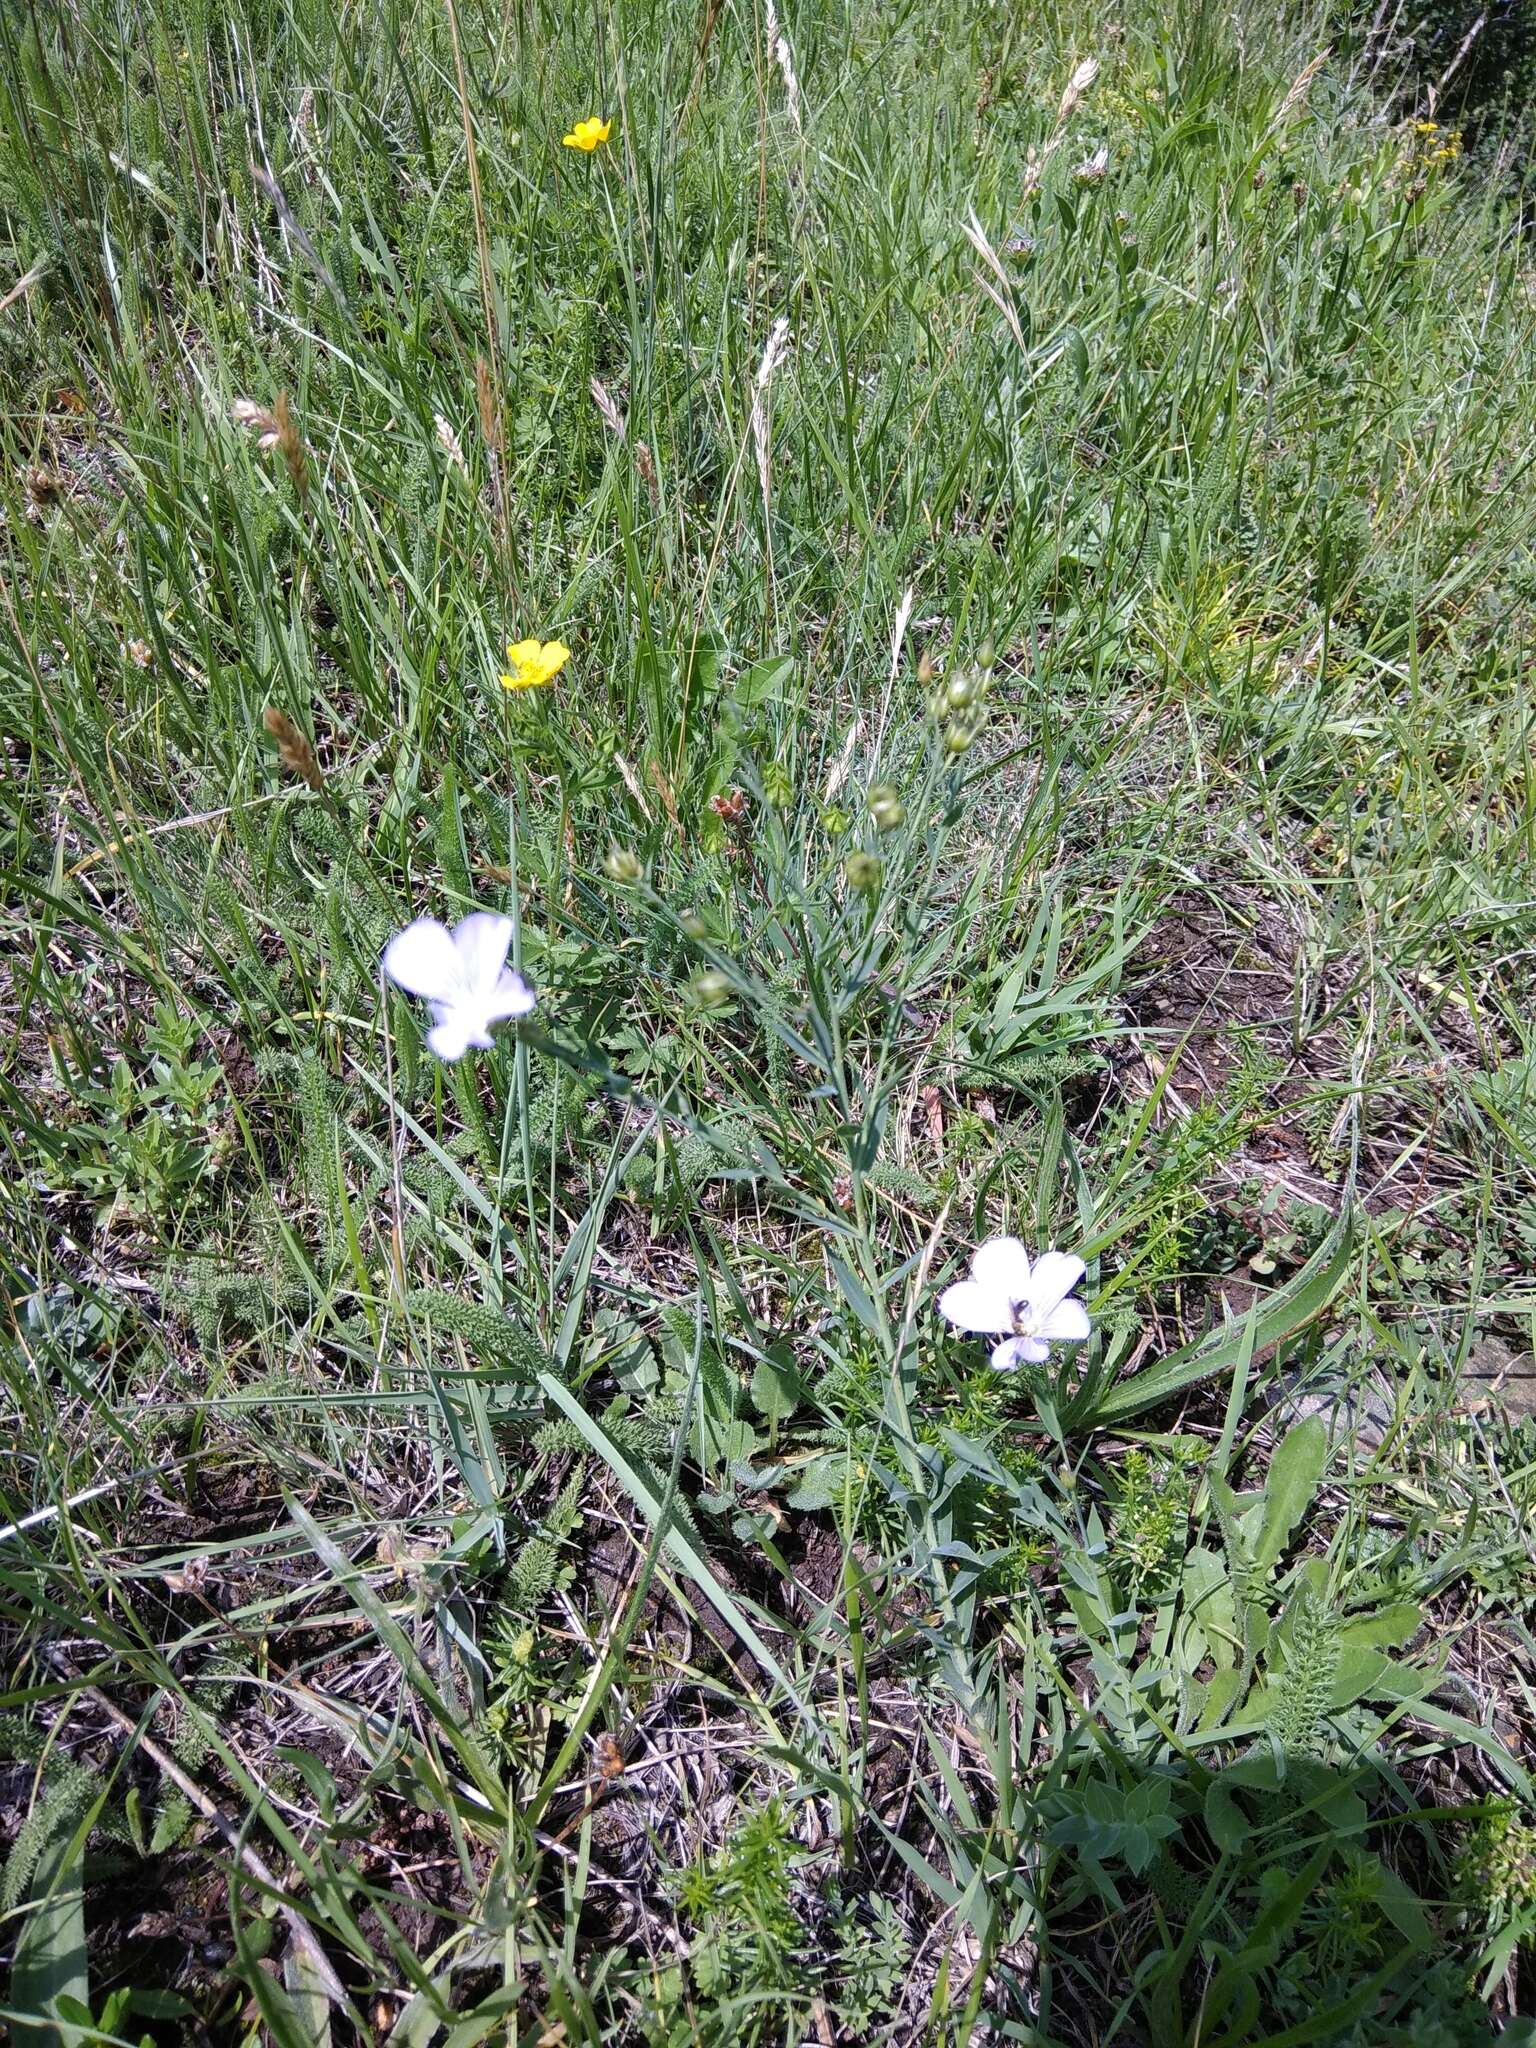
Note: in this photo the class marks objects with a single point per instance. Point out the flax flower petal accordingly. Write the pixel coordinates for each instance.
(1002, 1263)
(1067, 1323)
(1053, 1279)
(970, 1306)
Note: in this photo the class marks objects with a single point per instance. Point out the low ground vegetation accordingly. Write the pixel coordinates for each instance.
(964, 580)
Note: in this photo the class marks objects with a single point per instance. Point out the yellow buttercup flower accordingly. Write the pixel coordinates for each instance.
(588, 134)
(533, 663)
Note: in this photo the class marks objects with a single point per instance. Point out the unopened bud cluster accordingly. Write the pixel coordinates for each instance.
(957, 702)
(711, 988)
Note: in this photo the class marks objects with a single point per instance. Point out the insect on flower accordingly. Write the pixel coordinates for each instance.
(463, 976)
(533, 663)
(587, 134)
(1028, 1305)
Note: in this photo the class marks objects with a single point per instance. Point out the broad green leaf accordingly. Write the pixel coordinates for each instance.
(822, 1483)
(1387, 1630)
(1362, 1673)
(1403, 1910)
(762, 682)
(1221, 1696)
(309, 1997)
(1294, 1471)
(1210, 1613)
(1321, 1793)
(777, 1388)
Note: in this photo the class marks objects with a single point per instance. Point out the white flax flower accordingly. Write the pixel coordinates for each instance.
(1028, 1305)
(463, 975)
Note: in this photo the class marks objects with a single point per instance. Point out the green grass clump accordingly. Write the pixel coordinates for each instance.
(1038, 507)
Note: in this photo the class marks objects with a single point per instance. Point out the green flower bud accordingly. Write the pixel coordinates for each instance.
(961, 733)
(623, 867)
(987, 658)
(835, 821)
(886, 807)
(964, 690)
(862, 871)
(711, 990)
(692, 926)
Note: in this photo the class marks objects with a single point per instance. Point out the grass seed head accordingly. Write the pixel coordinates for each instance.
(256, 419)
(603, 399)
(44, 487)
(762, 386)
(275, 428)
(784, 57)
(293, 749)
(448, 441)
(291, 447)
(485, 402)
(1076, 86)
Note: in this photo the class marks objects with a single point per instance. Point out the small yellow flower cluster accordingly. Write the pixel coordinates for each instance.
(533, 663)
(588, 134)
(1436, 145)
